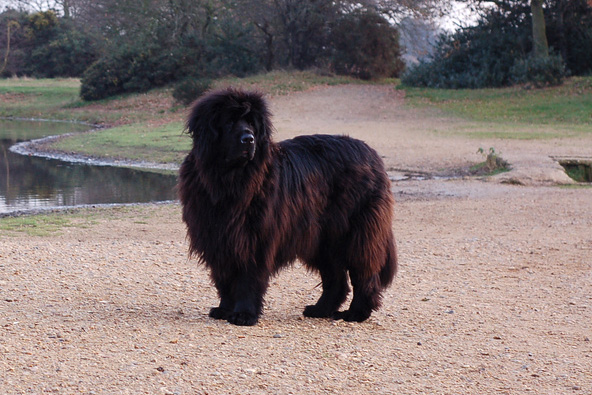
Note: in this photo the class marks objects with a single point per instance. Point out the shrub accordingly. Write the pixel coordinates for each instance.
(143, 65)
(68, 54)
(190, 89)
(475, 57)
(539, 71)
(101, 80)
(494, 53)
(134, 69)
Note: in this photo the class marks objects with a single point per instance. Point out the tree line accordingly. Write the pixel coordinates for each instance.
(118, 46)
(127, 45)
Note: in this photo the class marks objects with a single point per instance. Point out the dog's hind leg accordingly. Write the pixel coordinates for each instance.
(367, 298)
(371, 256)
(335, 290)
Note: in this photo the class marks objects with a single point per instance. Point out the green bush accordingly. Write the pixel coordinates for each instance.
(45, 46)
(68, 54)
(539, 71)
(100, 80)
(143, 65)
(495, 52)
(475, 57)
(190, 89)
(134, 69)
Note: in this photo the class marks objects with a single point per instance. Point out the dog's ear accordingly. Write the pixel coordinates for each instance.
(203, 123)
(202, 117)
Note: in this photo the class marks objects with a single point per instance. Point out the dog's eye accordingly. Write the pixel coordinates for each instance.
(228, 126)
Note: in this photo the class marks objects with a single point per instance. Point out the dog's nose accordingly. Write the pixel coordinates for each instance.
(247, 138)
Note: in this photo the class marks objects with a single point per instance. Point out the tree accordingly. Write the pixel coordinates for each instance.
(152, 43)
(45, 45)
(365, 45)
(539, 35)
(569, 30)
(297, 33)
(10, 27)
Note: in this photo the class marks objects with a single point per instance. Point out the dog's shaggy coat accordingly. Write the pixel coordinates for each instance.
(253, 206)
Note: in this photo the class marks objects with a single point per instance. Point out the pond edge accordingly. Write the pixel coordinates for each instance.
(32, 148)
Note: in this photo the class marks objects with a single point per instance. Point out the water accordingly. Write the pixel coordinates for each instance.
(30, 183)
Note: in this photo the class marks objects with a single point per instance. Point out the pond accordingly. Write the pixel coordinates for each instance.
(32, 183)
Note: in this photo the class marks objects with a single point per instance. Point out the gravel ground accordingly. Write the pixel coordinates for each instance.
(493, 294)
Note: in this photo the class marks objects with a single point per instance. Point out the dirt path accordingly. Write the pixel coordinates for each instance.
(493, 296)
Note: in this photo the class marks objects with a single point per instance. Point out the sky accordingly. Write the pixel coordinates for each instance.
(461, 15)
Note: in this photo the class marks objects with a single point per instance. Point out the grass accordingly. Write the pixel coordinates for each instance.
(507, 130)
(553, 110)
(576, 186)
(59, 99)
(54, 223)
(138, 142)
(38, 225)
(36, 98)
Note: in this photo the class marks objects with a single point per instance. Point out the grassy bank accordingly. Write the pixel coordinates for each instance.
(138, 142)
(148, 126)
(143, 127)
(555, 111)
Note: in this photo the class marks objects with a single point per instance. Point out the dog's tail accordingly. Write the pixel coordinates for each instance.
(388, 271)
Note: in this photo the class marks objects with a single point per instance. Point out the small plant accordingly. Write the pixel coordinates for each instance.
(190, 89)
(494, 164)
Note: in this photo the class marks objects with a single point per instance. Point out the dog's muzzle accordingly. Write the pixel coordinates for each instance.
(248, 145)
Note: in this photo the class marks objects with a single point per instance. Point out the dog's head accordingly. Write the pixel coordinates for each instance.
(229, 127)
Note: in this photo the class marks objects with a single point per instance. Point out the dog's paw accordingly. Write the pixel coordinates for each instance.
(314, 311)
(219, 313)
(242, 319)
(351, 316)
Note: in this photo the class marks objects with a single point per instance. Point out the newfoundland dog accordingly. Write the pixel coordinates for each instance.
(253, 206)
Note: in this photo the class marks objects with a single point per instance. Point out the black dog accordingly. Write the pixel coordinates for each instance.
(253, 206)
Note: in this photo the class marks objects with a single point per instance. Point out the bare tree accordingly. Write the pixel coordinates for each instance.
(264, 17)
(291, 29)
